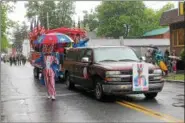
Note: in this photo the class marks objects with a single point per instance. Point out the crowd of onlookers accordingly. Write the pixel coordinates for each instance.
(18, 59)
(171, 62)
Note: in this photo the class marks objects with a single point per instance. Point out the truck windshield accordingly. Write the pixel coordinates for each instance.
(114, 54)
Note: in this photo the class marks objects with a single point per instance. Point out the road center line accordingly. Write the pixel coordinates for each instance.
(150, 112)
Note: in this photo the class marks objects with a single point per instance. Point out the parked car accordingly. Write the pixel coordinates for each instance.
(108, 71)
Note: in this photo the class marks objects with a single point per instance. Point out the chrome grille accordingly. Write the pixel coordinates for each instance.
(151, 71)
(126, 79)
(129, 72)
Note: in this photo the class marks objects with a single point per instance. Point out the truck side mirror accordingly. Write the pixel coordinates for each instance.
(85, 60)
(143, 58)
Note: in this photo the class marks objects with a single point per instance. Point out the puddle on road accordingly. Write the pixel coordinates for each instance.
(179, 101)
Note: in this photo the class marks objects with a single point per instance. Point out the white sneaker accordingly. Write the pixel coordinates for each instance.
(49, 96)
(53, 97)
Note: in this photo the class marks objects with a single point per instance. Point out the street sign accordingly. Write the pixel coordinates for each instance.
(181, 8)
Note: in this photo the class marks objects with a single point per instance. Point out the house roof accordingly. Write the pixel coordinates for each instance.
(157, 32)
(170, 16)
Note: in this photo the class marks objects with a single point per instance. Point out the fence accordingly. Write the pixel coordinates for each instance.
(139, 45)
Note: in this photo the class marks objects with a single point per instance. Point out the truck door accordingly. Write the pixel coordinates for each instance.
(77, 66)
(83, 69)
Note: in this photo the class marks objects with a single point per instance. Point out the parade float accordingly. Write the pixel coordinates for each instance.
(59, 38)
(158, 58)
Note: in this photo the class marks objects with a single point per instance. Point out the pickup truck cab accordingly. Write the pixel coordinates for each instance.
(108, 70)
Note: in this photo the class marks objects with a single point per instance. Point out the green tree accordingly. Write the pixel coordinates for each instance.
(59, 13)
(64, 12)
(20, 32)
(5, 23)
(90, 20)
(153, 17)
(112, 16)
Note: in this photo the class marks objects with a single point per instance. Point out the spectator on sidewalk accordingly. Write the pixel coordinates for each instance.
(174, 62)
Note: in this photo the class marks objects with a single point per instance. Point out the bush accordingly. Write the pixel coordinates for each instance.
(182, 54)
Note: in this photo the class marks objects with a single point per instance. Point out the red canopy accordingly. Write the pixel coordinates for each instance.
(68, 31)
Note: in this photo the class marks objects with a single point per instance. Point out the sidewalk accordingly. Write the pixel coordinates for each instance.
(178, 78)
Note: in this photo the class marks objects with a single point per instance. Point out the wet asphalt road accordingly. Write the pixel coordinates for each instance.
(23, 99)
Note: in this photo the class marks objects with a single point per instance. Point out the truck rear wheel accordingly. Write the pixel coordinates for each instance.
(36, 72)
(68, 82)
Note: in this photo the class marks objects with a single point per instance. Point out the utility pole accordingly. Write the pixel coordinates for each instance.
(47, 21)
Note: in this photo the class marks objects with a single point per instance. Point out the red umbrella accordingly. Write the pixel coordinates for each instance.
(53, 38)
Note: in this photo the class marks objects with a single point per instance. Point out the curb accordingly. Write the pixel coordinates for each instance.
(175, 81)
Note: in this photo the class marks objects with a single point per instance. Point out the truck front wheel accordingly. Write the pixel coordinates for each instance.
(150, 95)
(99, 94)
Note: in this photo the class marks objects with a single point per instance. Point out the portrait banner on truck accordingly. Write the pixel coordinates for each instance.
(140, 77)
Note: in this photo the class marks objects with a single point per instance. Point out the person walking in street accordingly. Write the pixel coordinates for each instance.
(11, 60)
(15, 60)
(19, 59)
(48, 59)
(23, 58)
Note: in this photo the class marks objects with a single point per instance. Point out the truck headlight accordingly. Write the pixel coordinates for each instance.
(158, 71)
(112, 73)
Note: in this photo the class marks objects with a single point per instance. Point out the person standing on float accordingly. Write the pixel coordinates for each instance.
(78, 42)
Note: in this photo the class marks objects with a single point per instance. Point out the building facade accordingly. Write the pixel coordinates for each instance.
(176, 24)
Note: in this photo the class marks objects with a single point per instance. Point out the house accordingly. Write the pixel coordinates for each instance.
(161, 33)
(176, 24)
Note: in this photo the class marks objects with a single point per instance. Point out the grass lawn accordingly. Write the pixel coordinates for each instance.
(175, 77)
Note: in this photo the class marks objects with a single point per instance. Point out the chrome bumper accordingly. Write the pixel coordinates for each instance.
(127, 88)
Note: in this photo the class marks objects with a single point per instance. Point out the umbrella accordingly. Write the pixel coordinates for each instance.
(53, 38)
(174, 57)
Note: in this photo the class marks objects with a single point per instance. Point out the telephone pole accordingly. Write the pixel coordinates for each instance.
(47, 21)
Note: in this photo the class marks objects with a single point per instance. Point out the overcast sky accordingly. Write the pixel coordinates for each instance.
(20, 11)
